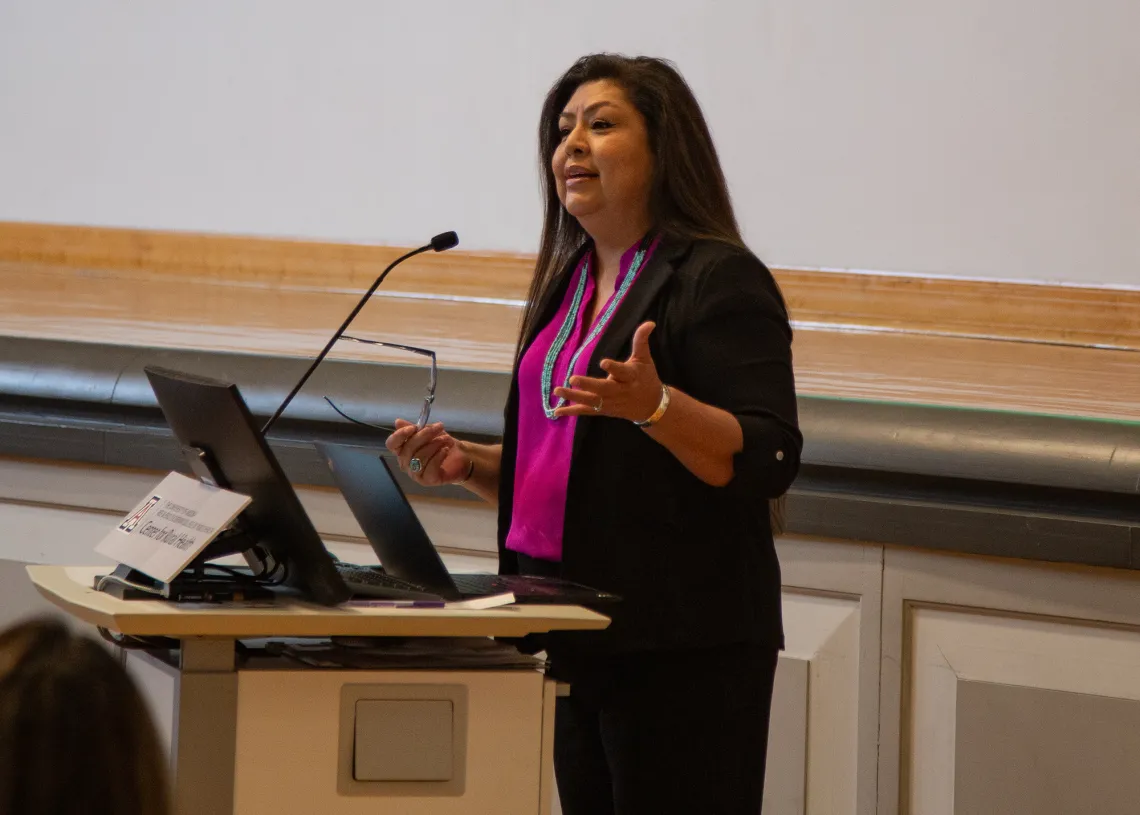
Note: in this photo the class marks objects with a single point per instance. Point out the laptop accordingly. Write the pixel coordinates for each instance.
(411, 566)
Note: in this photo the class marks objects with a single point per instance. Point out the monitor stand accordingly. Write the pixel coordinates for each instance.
(202, 581)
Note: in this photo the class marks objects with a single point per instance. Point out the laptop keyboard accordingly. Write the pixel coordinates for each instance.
(373, 578)
(365, 580)
(480, 584)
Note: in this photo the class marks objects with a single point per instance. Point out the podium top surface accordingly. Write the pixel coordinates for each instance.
(70, 588)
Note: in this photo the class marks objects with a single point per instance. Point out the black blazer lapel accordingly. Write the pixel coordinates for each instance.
(617, 339)
(633, 310)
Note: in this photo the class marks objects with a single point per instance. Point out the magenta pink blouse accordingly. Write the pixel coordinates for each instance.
(542, 466)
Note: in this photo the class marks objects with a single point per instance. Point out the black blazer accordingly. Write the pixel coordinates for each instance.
(695, 564)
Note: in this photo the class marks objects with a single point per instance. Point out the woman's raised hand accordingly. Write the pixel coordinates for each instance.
(430, 455)
(631, 391)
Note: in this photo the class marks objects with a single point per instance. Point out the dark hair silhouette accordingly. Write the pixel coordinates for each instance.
(75, 735)
(688, 195)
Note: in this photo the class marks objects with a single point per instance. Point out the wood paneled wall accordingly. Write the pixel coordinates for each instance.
(1053, 349)
(1050, 313)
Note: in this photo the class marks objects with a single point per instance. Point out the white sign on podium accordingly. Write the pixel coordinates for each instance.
(171, 525)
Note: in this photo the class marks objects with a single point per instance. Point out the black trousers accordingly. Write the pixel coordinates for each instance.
(661, 732)
(681, 732)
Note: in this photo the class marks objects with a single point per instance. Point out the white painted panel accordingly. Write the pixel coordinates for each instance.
(56, 513)
(292, 769)
(824, 631)
(158, 684)
(18, 598)
(41, 534)
(949, 645)
(785, 777)
(832, 613)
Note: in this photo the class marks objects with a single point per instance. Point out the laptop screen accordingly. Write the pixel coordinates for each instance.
(398, 538)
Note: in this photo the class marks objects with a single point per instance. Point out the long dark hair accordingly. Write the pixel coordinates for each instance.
(688, 196)
(75, 735)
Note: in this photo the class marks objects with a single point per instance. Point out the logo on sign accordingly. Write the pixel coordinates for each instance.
(129, 524)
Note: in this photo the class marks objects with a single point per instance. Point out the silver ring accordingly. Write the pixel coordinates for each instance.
(415, 465)
(598, 407)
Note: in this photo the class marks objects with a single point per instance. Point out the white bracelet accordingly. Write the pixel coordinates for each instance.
(662, 406)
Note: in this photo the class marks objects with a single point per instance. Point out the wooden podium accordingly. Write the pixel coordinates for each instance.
(264, 734)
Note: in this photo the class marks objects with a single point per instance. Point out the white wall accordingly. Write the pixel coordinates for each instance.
(972, 137)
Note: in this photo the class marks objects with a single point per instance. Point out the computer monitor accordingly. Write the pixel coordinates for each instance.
(220, 441)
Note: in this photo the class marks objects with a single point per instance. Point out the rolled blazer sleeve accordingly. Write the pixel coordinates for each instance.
(737, 355)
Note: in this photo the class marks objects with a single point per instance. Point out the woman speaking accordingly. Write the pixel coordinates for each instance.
(650, 420)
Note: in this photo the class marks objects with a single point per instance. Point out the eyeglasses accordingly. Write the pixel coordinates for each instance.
(429, 396)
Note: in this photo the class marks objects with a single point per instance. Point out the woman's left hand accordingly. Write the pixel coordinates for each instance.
(631, 391)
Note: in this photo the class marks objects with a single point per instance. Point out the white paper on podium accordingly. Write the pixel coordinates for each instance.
(171, 525)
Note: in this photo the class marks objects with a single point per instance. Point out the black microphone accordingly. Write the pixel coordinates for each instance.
(440, 243)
